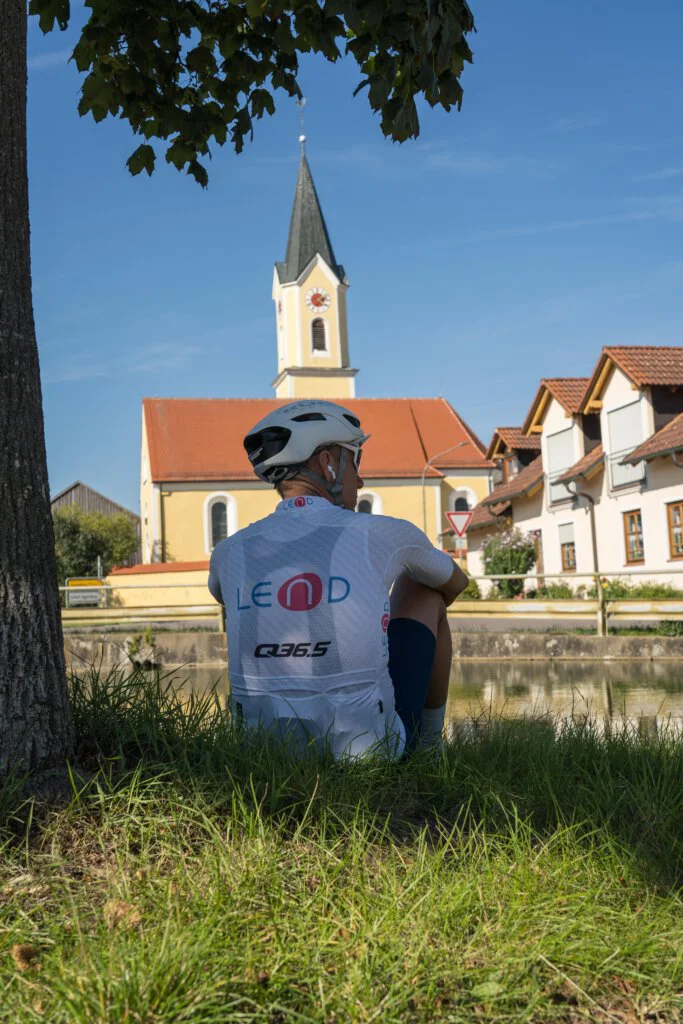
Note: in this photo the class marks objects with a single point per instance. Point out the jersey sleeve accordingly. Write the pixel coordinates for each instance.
(403, 548)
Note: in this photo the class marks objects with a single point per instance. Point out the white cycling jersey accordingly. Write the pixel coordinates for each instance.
(306, 592)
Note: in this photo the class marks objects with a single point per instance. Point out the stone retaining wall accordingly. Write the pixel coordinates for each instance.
(113, 650)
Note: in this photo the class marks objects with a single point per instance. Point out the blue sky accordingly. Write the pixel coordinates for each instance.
(510, 242)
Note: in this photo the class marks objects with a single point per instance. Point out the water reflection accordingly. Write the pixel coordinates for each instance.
(645, 693)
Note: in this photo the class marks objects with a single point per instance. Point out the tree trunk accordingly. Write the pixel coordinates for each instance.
(35, 721)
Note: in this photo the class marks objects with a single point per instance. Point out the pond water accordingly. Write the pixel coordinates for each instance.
(645, 693)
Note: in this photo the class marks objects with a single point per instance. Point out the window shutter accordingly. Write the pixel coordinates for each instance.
(625, 427)
(566, 531)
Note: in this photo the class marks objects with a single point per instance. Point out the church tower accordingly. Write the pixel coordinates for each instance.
(309, 291)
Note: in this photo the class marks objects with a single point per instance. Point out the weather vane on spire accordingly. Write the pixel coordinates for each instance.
(301, 103)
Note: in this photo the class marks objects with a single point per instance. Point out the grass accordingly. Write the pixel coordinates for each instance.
(532, 873)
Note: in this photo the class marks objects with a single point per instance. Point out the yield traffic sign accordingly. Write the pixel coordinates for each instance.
(459, 521)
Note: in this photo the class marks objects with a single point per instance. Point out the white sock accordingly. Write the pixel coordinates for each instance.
(431, 734)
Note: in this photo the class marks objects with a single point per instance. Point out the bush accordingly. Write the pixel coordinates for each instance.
(471, 592)
(556, 591)
(619, 589)
(511, 552)
(82, 537)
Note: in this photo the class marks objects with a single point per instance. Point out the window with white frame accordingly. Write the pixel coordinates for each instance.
(318, 335)
(369, 503)
(220, 519)
(462, 500)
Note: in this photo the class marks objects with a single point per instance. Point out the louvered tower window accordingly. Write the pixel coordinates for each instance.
(219, 522)
(318, 336)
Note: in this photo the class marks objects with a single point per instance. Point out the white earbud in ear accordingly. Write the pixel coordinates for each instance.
(332, 472)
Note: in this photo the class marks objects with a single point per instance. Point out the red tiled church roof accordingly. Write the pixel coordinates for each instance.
(129, 570)
(201, 438)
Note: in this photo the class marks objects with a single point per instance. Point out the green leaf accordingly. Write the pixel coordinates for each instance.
(141, 160)
(180, 153)
(198, 172)
(49, 11)
(261, 102)
(487, 990)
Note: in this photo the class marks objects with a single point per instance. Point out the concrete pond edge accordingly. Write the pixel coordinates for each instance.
(194, 649)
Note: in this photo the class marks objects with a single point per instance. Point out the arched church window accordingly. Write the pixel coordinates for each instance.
(219, 522)
(318, 335)
(369, 502)
(461, 505)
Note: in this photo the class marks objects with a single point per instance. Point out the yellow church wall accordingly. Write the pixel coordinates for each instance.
(319, 279)
(316, 387)
(185, 516)
(403, 500)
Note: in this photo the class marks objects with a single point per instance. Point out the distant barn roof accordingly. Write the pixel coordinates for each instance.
(89, 500)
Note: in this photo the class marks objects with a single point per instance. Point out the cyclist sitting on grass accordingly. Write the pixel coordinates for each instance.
(316, 646)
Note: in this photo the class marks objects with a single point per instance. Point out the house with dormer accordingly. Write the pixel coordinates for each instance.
(608, 485)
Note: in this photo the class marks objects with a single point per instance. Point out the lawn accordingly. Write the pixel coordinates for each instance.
(531, 873)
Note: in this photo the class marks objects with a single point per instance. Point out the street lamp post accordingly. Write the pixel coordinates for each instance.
(424, 473)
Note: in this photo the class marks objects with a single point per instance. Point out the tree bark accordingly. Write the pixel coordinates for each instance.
(35, 721)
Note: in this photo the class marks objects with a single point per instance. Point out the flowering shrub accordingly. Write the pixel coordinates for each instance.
(511, 552)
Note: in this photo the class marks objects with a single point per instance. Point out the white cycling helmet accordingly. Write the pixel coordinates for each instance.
(287, 437)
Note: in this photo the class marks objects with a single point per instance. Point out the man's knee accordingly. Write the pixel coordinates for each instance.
(413, 600)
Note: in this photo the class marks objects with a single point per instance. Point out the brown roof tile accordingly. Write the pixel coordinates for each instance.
(649, 364)
(668, 439)
(590, 461)
(487, 515)
(201, 439)
(525, 481)
(514, 438)
(569, 392)
(643, 364)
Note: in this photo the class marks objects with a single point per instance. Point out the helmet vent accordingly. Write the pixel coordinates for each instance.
(304, 417)
(352, 419)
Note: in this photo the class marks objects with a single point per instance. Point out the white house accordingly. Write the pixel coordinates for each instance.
(606, 494)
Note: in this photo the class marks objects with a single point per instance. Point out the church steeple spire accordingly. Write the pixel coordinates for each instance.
(309, 290)
(308, 234)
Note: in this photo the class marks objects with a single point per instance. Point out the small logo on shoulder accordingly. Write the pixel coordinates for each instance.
(299, 502)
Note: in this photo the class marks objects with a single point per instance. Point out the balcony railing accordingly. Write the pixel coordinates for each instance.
(622, 476)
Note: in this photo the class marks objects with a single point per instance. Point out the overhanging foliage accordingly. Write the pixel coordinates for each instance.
(192, 73)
